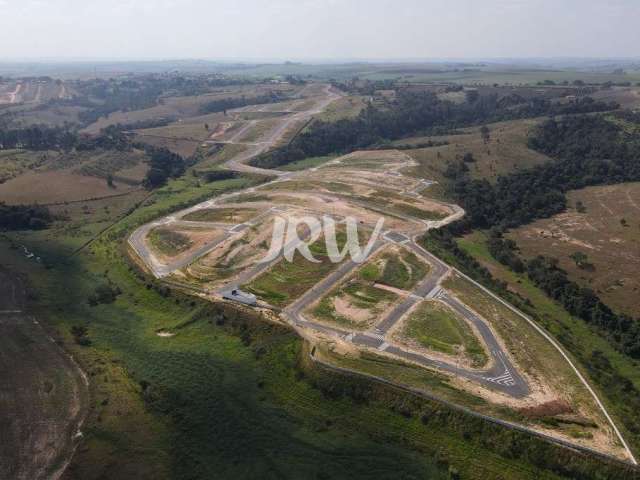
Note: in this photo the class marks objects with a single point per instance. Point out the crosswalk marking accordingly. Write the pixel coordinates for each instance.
(376, 333)
(505, 379)
(434, 293)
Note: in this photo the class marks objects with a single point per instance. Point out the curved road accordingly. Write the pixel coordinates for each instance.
(501, 376)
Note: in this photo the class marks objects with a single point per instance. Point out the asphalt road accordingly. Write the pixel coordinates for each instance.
(501, 376)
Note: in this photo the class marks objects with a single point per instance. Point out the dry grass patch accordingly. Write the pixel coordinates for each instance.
(223, 215)
(506, 151)
(603, 224)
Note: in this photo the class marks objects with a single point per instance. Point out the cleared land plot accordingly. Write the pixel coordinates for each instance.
(223, 215)
(435, 326)
(361, 300)
(230, 258)
(550, 377)
(169, 243)
(286, 281)
(606, 231)
(259, 130)
(370, 159)
(506, 151)
(305, 164)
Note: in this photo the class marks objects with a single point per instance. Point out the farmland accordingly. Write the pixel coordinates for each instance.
(55, 177)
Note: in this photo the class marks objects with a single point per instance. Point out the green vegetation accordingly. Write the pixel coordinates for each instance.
(613, 373)
(402, 270)
(359, 295)
(286, 281)
(24, 217)
(231, 215)
(229, 395)
(415, 112)
(437, 327)
(364, 301)
(418, 212)
(306, 163)
(169, 242)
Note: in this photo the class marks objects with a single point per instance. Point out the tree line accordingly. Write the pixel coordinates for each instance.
(416, 113)
(24, 217)
(622, 331)
(40, 138)
(163, 164)
(588, 150)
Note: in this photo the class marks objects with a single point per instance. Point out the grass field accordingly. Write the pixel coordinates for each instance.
(58, 187)
(400, 269)
(506, 151)
(574, 334)
(286, 281)
(169, 242)
(606, 230)
(225, 215)
(437, 327)
(346, 107)
(53, 177)
(357, 304)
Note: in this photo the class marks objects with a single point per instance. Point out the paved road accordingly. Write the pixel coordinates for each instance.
(501, 376)
(254, 149)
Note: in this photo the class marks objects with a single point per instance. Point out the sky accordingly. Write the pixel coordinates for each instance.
(317, 29)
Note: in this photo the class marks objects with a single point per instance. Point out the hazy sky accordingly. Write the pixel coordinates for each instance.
(303, 29)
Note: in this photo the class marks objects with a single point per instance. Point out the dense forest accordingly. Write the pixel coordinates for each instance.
(24, 217)
(163, 164)
(414, 113)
